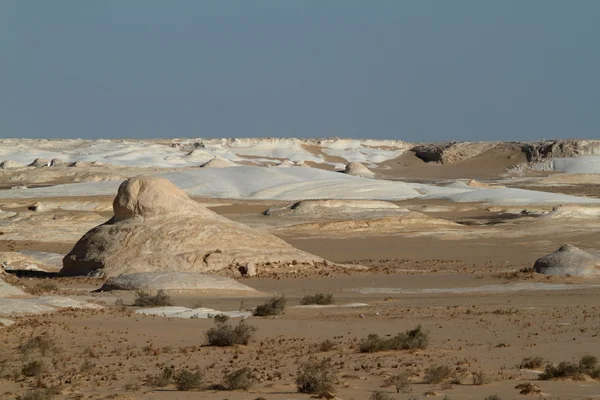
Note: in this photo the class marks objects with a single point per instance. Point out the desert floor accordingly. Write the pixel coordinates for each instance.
(463, 275)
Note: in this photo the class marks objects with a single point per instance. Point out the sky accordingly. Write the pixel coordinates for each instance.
(414, 70)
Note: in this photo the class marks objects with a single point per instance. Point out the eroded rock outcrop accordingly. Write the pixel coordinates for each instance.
(157, 227)
(568, 260)
(357, 169)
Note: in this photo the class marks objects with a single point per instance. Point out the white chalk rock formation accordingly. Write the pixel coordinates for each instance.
(334, 208)
(10, 164)
(569, 212)
(357, 169)
(174, 281)
(39, 162)
(217, 162)
(568, 260)
(7, 290)
(157, 227)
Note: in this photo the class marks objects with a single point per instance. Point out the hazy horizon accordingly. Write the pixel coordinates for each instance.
(419, 71)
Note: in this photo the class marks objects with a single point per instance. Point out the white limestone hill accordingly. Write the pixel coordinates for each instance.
(157, 227)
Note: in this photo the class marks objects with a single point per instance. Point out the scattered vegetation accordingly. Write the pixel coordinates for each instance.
(437, 374)
(531, 363)
(41, 288)
(162, 379)
(120, 304)
(380, 396)
(32, 368)
(480, 378)
(493, 397)
(145, 299)
(399, 381)
(528, 389)
(327, 345)
(274, 306)
(40, 394)
(316, 377)
(41, 343)
(221, 318)
(226, 335)
(241, 379)
(588, 365)
(321, 299)
(409, 340)
(187, 380)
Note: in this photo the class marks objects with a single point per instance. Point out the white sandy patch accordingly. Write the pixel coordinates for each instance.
(183, 312)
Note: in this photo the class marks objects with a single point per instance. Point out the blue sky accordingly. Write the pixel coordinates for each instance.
(413, 70)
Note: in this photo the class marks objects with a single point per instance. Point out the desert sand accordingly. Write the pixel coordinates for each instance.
(444, 236)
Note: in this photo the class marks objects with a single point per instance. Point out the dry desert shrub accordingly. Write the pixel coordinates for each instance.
(528, 389)
(327, 345)
(41, 288)
(187, 380)
(316, 377)
(321, 299)
(32, 368)
(40, 394)
(532, 363)
(241, 379)
(226, 335)
(162, 379)
(144, 299)
(40, 342)
(588, 365)
(480, 378)
(493, 397)
(274, 306)
(399, 381)
(409, 340)
(380, 396)
(437, 374)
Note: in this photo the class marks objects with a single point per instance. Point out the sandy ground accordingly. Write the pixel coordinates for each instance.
(459, 282)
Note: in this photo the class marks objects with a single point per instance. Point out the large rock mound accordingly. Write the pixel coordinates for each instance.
(452, 152)
(568, 260)
(157, 227)
(357, 169)
(540, 151)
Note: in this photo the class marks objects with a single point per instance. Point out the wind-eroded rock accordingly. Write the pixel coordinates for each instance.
(157, 227)
(568, 260)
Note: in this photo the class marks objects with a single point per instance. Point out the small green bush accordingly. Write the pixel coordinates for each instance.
(274, 306)
(321, 299)
(316, 377)
(144, 299)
